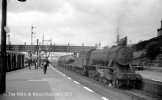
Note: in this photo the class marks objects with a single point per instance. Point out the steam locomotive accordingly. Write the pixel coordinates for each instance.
(109, 66)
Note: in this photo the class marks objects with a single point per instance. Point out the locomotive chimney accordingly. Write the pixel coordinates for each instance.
(159, 31)
(161, 24)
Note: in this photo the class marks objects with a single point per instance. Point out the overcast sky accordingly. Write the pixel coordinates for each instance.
(83, 21)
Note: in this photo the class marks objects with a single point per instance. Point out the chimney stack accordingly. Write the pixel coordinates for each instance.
(161, 24)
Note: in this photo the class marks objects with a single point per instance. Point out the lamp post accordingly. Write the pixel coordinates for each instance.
(3, 47)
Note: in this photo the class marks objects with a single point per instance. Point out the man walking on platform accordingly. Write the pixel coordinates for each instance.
(35, 63)
(29, 63)
(45, 65)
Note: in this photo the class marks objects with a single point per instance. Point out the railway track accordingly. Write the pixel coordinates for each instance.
(139, 95)
(132, 94)
(154, 96)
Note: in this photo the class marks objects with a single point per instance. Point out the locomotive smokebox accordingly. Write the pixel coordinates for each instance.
(121, 54)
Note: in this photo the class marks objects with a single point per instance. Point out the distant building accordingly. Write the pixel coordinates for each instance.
(159, 31)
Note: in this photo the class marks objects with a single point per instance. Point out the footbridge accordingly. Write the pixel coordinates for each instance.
(49, 48)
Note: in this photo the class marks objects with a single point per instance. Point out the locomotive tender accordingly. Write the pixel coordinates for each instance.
(108, 65)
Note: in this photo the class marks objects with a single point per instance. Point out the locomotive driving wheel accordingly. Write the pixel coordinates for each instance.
(100, 79)
(105, 81)
(138, 84)
(90, 75)
(96, 78)
(115, 83)
(93, 76)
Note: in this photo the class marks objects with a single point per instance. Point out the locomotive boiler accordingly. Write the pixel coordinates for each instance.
(113, 66)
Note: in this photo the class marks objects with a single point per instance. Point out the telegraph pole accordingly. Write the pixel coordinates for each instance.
(117, 36)
(43, 40)
(3, 48)
(32, 27)
(37, 54)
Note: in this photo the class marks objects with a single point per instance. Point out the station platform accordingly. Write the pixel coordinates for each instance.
(25, 84)
(151, 75)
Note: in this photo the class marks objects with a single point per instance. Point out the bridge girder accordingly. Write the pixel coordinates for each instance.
(50, 48)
